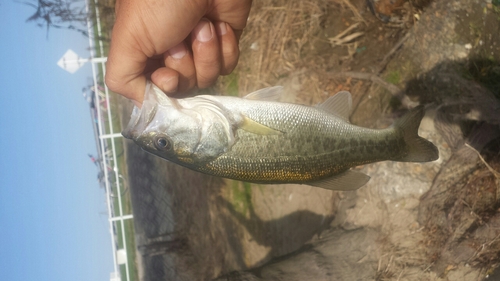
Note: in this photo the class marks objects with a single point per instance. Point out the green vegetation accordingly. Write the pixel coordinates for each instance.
(110, 127)
(241, 196)
(484, 71)
(124, 192)
(125, 195)
(393, 77)
(475, 30)
(230, 83)
(130, 243)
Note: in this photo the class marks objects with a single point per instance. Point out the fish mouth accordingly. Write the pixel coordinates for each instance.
(141, 117)
(139, 120)
(130, 131)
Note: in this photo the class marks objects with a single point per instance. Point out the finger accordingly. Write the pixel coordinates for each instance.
(124, 76)
(151, 66)
(234, 13)
(166, 79)
(206, 53)
(180, 59)
(140, 33)
(229, 47)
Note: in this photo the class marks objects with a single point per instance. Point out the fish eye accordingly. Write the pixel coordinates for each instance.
(162, 143)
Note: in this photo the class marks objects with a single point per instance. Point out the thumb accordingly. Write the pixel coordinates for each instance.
(124, 71)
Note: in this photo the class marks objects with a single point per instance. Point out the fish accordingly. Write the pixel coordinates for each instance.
(261, 140)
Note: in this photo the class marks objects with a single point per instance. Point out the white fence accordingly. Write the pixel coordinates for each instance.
(108, 155)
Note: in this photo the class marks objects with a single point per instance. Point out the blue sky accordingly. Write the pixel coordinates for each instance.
(52, 211)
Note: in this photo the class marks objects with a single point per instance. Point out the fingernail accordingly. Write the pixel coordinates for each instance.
(203, 31)
(178, 52)
(221, 28)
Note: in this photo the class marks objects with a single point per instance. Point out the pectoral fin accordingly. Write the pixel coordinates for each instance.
(254, 127)
(349, 180)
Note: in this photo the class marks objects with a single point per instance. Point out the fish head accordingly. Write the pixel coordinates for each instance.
(174, 130)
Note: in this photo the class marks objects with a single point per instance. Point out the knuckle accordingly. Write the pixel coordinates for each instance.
(112, 83)
(230, 60)
(117, 86)
(231, 51)
(206, 79)
(187, 81)
(207, 71)
(207, 61)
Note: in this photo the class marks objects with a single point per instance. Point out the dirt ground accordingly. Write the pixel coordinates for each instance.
(432, 221)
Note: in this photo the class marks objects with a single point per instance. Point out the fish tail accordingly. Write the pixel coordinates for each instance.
(417, 149)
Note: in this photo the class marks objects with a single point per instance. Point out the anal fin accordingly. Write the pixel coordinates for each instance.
(348, 180)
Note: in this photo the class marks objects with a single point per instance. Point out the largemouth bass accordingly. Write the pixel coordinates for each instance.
(258, 139)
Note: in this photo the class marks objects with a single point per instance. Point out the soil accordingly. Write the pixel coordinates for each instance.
(430, 221)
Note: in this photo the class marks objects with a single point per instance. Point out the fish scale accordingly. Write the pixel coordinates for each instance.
(258, 139)
(266, 165)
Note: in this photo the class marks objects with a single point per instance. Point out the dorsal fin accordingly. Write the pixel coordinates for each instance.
(339, 105)
(267, 94)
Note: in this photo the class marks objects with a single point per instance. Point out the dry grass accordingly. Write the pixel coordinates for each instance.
(306, 46)
(285, 39)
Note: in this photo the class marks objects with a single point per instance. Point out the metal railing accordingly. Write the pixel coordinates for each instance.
(107, 155)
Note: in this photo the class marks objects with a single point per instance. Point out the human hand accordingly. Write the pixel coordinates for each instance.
(179, 44)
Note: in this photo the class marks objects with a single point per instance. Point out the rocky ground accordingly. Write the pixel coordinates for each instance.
(432, 221)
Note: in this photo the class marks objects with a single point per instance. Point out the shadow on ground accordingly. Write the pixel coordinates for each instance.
(186, 229)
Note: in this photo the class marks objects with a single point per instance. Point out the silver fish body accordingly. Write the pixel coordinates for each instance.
(258, 139)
